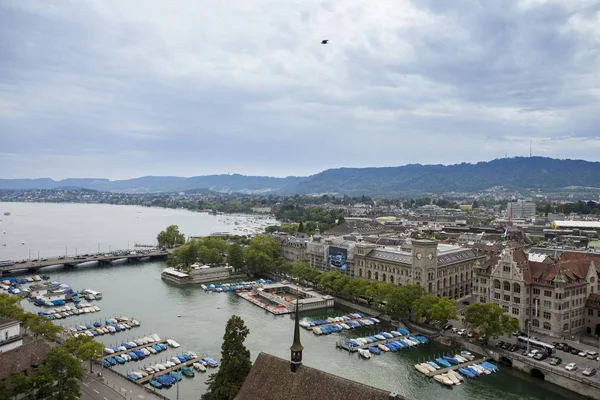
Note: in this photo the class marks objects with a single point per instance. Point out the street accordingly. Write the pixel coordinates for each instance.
(113, 387)
(91, 389)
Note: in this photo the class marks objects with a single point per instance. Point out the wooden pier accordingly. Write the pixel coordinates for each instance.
(342, 344)
(133, 348)
(93, 328)
(266, 307)
(310, 328)
(455, 367)
(166, 371)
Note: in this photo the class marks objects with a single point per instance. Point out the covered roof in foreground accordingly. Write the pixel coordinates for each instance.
(271, 379)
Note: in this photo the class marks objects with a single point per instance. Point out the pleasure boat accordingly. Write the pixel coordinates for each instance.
(364, 353)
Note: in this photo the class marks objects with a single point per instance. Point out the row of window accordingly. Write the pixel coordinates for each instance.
(591, 312)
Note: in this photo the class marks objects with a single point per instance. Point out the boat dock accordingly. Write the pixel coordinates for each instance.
(166, 371)
(272, 309)
(455, 367)
(106, 356)
(310, 328)
(341, 344)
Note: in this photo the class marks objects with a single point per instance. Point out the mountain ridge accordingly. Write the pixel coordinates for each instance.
(518, 173)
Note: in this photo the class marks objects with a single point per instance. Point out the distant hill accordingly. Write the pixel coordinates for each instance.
(515, 173)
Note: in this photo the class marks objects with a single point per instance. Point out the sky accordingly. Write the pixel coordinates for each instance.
(126, 88)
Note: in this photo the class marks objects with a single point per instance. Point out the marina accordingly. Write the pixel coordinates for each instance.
(254, 299)
(137, 289)
(176, 367)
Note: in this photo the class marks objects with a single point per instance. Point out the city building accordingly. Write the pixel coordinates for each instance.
(521, 209)
(546, 297)
(10, 334)
(22, 359)
(443, 270)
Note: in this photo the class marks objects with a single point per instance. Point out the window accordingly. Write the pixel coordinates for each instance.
(506, 286)
(496, 284)
(505, 308)
(547, 315)
(506, 268)
(497, 297)
(507, 297)
(536, 291)
(547, 326)
(515, 311)
(565, 327)
(535, 323)
(516, 288)
(517, 300)
(547, 293)
(547, 304)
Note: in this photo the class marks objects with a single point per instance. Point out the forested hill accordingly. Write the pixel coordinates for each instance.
(520, 172)
(515, 173)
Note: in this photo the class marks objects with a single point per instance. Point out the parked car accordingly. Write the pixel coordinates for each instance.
(540, 356)
(592, 355)
(582, 354)
(505, 346)
(532, 353)
(462, 332)
(589, 371)
(575, 351)
(499, 343)
(555, 361)
(571, 367)
(447, 326)
(513, 348)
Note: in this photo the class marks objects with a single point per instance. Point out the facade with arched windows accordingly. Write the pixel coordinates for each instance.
(549, 297)
(443, 270)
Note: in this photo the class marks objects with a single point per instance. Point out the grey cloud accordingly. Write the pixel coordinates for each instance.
(126, 88)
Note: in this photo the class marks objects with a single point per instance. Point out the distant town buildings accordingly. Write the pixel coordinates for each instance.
(521, 209)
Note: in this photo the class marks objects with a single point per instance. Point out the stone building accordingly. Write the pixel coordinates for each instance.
(443, 270)
(292, 247)
(550, 298)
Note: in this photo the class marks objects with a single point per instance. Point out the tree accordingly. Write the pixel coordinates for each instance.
(170, 237)
(489, 320)
(84, 348)
(262, 254)
(235, 256)
(65, 371)
(300, 227)
(404, 300)
(41, 326)
(235, 363)
(185, 255)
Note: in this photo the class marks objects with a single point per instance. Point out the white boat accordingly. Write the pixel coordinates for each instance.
(468, 355)
(135, 322)
(88, 333)
(191, 354)
(37, 278)
(144, 373)
(199, 367)
(428, 367)
(443, 379)
(453, 378)
(169, 364)
(148, 339)
(161, 367)
(420, 368)
(111, 329)
(459, 358)
(152, 350)
(155, 337)
(122, 348)
(95, 295)
(109, 351)
(364, 353)
(456, 375)
(383, 347)
(132, 344)
(173, 343)
(176, 360)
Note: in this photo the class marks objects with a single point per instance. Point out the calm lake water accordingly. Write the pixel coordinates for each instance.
(136, 290)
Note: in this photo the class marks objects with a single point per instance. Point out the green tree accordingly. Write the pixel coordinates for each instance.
(20, 385)
(185, 255)
(84, 348)
(262, 255)
(300, 227)
(489, 320)
(404, 300)
(5, 392)
(235, 256)
(170, 237)
(436, 310)
(40, 326)
(65, 372)
(235, 363)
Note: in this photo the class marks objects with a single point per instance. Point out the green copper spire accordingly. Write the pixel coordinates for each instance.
(559, 275)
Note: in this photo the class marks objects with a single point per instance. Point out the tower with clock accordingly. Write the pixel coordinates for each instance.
(424, 263)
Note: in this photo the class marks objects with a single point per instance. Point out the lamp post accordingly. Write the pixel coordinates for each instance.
(91, 361)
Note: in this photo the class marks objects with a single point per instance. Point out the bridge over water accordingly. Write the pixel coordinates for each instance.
(73, 261)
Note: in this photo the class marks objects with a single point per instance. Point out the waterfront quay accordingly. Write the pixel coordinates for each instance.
(73, 261)
(106, 356)
(455, 367)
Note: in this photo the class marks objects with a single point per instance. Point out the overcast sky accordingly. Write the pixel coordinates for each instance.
(126, 88)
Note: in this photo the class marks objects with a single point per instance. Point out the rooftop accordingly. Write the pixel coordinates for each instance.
(22, 358)
(5, 322)
(271, 379)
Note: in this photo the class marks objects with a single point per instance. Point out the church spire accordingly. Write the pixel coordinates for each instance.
(559, 275)
(296, 346)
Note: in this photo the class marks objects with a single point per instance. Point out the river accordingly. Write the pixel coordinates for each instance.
(136, 290)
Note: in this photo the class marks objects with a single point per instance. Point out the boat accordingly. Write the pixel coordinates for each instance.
(434, 365)
(173, 343)
(453, 378)
(443, 362)
(420, 368)
(468, 355)
(187, 371)
(374, 350)
(460, 358)
(466, 372)
(452, 360)
(383, 347)
(199, 367)
(428, 367)
(156, 384)
(364, 353)
(176, 375)
(443, 379)
(456, 375)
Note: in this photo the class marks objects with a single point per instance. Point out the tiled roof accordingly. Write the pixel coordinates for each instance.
(271, 379)
(593, 301)
(22, 358)
(456, 256)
